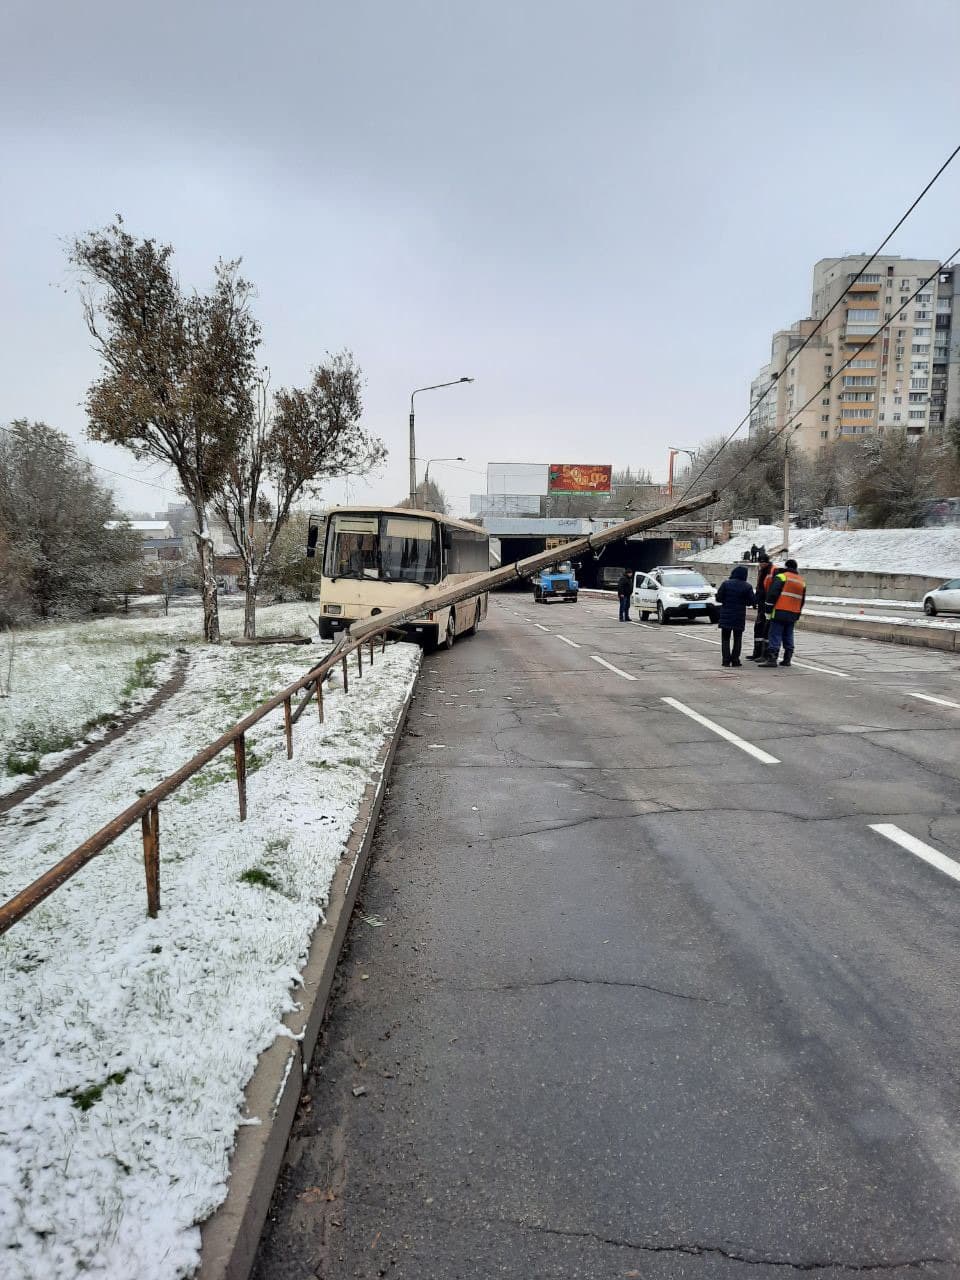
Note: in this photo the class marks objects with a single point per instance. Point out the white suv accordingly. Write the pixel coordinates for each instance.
(671, 592)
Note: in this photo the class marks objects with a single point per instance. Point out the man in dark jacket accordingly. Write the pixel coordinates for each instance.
(761, 623)
(734, 595)
(624, 588)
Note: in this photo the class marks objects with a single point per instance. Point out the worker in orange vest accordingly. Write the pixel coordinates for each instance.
(785, 598)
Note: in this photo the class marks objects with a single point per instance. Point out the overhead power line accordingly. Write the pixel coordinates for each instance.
(122, 475)
(827, 381)
(826, 316)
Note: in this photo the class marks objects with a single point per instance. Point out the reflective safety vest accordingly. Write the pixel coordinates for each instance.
(767, 578)
(790, 599)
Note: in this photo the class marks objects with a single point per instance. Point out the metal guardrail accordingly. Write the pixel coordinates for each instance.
(361, 635)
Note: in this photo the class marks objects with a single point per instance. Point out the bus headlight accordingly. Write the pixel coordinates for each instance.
(332, 608)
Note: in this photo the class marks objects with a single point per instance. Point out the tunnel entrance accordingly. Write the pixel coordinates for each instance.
(598, 571)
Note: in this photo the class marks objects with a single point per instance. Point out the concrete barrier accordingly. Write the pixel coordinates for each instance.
(836, 582)
(920, 635)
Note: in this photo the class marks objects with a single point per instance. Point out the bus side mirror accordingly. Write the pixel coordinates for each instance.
(312, 534)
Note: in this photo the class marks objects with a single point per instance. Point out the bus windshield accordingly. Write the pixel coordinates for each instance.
(392, 548)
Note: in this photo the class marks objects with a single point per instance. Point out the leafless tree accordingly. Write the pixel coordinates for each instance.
(178, 370)
(292, 441)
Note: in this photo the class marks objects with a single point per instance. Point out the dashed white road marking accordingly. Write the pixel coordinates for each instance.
(757, 752)
(928, 697)
(572, 643)
(610, 667)
(925, 851)
(541, 627)
(829, 671)
(683, 635)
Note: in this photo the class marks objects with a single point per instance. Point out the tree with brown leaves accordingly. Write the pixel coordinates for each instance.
(293, 440)
(178, 370)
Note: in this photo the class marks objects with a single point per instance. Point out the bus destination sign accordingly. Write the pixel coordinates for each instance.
(575, 477)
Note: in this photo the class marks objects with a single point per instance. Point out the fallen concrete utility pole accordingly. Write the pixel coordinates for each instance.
(435, 600)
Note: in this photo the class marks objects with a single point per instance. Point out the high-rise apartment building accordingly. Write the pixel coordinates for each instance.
(908, 377)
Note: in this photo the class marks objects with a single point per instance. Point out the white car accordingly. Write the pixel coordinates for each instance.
(945, 599)
(672, 592)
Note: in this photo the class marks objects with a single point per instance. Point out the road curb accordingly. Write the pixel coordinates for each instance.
(230, 1237)
(920, 637)
(898, 633)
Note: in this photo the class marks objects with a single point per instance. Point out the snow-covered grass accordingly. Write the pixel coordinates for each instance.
(126, 1042)
(927, 552)
(70, 679)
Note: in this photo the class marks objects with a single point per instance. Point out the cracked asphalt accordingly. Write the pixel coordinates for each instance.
(640, 1005)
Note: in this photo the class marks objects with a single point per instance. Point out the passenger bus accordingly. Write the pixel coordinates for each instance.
(377, 559)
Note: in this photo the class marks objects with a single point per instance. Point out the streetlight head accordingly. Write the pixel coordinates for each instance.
(459, 459)
(466, 379)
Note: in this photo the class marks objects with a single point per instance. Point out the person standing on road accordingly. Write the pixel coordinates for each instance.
(734, 595)
(624, 587)
(761, 624)
(786, 595)
(753, 551)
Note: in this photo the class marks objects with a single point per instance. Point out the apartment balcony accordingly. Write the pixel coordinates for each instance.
(859, 333)
(863, 286)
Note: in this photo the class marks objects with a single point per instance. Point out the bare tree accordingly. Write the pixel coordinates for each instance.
(178, 370)
(291, 442)
(429, 497)
(896, 481)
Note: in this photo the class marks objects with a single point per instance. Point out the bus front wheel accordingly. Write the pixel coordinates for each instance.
(450, 635)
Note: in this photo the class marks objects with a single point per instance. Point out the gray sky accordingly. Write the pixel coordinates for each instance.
(599, 210)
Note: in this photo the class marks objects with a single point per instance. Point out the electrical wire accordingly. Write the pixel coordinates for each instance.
(824, 318)
(828, 381)
(122, 475)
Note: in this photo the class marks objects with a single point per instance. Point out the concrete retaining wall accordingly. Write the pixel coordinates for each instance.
(840, 582)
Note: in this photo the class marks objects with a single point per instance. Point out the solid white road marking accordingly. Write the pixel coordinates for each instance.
(541, 627)
(928, 697)
(917, 847)
(610, 667)
(571, 643)
(757, 752)
(703, 639)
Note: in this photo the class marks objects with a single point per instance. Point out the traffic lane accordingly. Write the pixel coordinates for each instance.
(882, 751)
(493, 947)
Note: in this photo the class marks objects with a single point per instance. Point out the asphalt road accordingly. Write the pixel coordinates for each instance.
(628, 1000)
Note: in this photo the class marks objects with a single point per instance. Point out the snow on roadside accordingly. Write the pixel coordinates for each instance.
(886, 619)
(70, 678)
(125, 1042)
(930, 553)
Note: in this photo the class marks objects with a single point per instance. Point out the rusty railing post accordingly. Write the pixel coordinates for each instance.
(383, 642)
(150, 823)
(346, 680)
(288, 727)
(371, 653)
(320, 697)
(240, 758)
(360, 659)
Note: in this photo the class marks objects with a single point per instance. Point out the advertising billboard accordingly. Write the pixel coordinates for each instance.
(577, 477)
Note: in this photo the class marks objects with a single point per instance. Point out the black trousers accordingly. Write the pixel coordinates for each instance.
(730, 654)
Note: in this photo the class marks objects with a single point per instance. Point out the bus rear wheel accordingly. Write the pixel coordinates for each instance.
(472, 629)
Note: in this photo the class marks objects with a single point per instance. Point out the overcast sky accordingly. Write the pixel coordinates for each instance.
(600, 211)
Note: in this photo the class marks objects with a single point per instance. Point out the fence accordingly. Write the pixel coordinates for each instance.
(361, 636)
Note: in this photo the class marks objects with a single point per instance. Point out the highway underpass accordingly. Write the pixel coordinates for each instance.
(520, 536)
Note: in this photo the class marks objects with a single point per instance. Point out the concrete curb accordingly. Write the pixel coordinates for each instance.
(230, 1237)
(902, 633)
(920, 637)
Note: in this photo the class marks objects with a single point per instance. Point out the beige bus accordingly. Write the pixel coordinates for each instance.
(376, 559)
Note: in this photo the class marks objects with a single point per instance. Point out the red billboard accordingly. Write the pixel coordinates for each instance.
(578, 477)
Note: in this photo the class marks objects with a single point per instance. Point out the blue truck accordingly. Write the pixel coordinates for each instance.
(559, 582)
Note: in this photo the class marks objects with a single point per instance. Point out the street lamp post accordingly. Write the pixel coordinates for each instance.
(426, 474)
(691, 453)
(413, 439)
